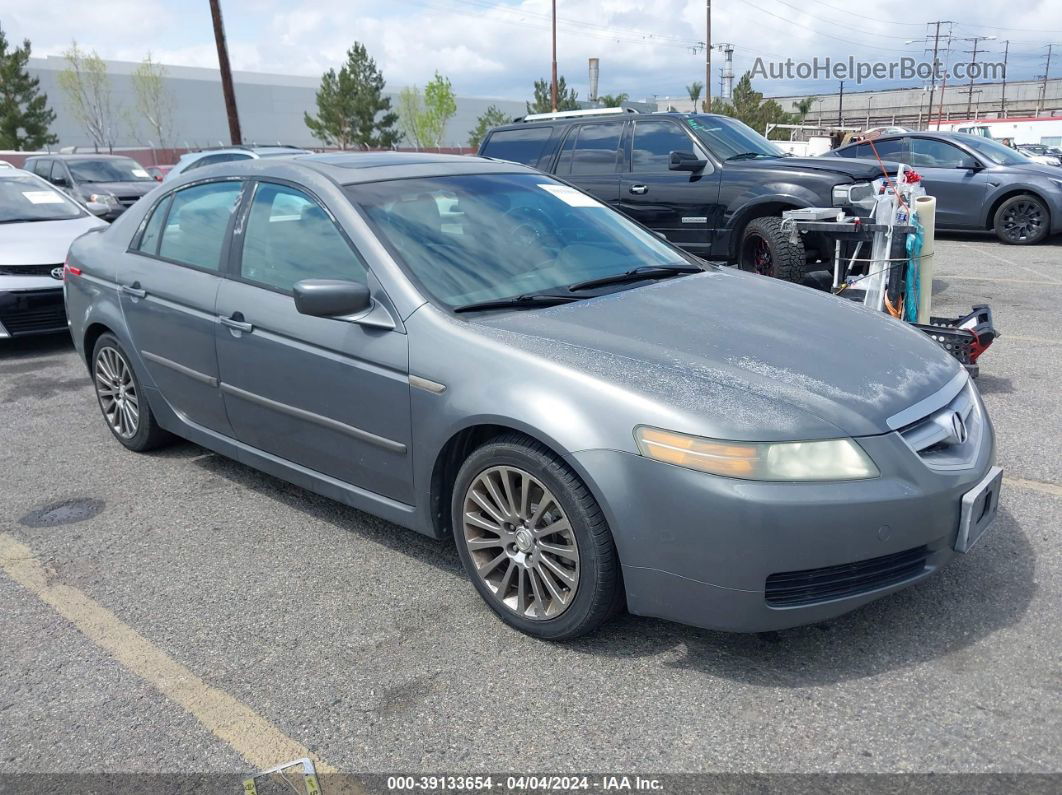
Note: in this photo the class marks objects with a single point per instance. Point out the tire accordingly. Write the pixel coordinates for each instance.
(519, 554)
(767, 250)
(122, 400)
(1022, 220)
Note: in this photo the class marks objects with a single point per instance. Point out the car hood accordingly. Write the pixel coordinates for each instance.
(1039, 169)
(42, 242)
(119, 188)
(753, 358)
(849, 167)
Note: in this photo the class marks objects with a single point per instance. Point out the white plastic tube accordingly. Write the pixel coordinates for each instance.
(925, 210)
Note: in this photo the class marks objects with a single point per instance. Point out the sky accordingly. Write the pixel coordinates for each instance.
(497, 48)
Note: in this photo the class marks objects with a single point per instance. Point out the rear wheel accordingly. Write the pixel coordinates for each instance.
(767, 250)
(1022, 220)
(534, 541)
(122, 401)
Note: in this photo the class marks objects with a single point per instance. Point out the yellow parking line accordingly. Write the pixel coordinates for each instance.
(1035, 485)
(253, 737)
(1025, 338)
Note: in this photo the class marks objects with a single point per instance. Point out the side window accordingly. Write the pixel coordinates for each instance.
(519, 146)
(149, 241)
(42, 168)
(289, 237)
(654, 141)
(935, 154)
(595, 149)
(58, 175)
(886, 150)
(197, 221)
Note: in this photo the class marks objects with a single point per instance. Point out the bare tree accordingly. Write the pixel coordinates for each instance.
(154, 103)
(88, 93)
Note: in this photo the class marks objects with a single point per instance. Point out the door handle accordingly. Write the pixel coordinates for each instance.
(639, 189)
(134, 290)
(237, 322)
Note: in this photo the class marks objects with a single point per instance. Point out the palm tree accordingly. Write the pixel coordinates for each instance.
(613, 100)
(694, 89)
(804, 107)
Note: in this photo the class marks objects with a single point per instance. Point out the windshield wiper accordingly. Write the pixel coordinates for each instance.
(636, 274)
(750, 156)
(528, 301)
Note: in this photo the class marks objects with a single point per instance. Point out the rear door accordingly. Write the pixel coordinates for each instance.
(680, 205)
(590, 158)
(959, 191)
(169, 283)
(325, 393)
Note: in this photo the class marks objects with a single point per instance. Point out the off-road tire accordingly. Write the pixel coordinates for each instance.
(763, 237)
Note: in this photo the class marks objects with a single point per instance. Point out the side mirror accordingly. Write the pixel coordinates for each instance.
(96, 208)
(971, 164)
(685, 161)
(331, 297)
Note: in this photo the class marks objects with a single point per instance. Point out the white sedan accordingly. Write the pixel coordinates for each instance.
(37, 226)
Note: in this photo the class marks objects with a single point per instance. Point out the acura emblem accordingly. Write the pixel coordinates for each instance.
(958, 428)
(57, 273)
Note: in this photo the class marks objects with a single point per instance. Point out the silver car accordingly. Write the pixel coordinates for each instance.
(37, 225)
(477, 351)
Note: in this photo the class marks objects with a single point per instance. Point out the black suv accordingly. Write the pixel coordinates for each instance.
(110, 184)
(708, 183)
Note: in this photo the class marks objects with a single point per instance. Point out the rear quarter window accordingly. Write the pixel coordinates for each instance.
(519, 146)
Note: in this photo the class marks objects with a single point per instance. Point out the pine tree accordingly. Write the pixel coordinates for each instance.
(350, 104)
(542, 104)
(24, 113)
(492, 117)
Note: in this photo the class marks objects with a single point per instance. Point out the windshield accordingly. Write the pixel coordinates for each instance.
(995, 151)
(483, 237)
(729, 138)
(118, 169)
(27, 198)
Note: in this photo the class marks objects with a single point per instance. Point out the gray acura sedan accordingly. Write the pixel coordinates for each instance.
(470, 348)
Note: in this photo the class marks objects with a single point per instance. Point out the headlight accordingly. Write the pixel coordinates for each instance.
(103, 198)
(831, 459)
(860, 194)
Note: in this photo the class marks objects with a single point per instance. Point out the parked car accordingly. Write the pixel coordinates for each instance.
(978, 183)
(558, 407)
(158, 173)
(37, 225)
(707, 183)
(1048, 155)
(210, 157)
(5, 164)
(111, 183)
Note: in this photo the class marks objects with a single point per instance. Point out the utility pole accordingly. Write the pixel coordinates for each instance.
(973, 59)
(840, 107)
(1043, 85)
(1003, 90)
(553, 80)
(708, 56)
(226, 74)
(936, 49)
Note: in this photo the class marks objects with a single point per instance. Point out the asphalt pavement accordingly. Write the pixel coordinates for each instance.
(145, 597)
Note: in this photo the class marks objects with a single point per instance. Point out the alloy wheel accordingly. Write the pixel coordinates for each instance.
(1023, 220)
(521, 542)
(117, 393)
(759, 255)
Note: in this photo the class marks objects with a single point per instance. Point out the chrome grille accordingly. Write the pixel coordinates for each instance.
(28, 270)
(950, 437)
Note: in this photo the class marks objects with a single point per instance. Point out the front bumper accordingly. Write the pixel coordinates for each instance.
(32, 311)
(699, 549)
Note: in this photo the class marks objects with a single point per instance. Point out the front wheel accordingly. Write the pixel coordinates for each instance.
(534, 541)
(1022, 220)
(769, 251)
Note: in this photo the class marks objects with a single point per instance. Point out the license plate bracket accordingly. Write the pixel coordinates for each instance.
(979, 506)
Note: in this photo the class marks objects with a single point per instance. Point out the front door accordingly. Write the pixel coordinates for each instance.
(680, 205)
(169, 285)
(959, 191)
(328, 394)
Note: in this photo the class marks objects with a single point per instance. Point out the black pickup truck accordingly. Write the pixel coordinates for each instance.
(708, 183)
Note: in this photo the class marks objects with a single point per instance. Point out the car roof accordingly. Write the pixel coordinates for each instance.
(347, 168)
(81, 156)
(660, 114)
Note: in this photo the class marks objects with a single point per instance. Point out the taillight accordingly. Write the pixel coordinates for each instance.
(70, 270)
